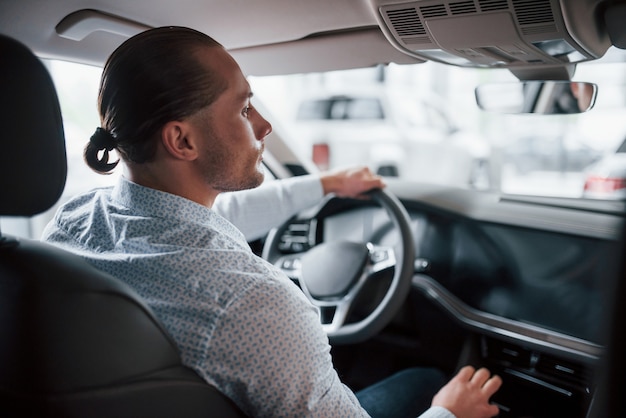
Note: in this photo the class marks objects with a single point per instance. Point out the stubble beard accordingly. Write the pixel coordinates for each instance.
(225, 178)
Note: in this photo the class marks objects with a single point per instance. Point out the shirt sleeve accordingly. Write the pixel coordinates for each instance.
(273, 358)
(258, 210)
(437, 412)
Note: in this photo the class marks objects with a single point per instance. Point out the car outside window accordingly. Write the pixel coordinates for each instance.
(315, 110)
(363, 109)
(340, 108)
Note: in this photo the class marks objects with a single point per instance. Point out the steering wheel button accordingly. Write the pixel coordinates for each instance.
(378, 256)
(290, 264)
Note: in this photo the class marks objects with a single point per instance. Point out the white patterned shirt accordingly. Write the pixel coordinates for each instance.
(238, 321)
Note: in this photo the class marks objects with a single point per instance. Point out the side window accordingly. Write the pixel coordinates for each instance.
(77, 87)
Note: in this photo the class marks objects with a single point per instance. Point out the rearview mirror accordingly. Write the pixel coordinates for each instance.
(543, 97)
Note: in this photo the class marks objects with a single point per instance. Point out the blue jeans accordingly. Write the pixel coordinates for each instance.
(405, 394)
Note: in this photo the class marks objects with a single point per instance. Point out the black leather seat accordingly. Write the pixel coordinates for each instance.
(74, 342)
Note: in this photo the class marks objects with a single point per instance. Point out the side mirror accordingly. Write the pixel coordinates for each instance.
(542, 97)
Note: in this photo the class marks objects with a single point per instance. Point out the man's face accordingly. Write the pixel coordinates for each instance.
(233, 131)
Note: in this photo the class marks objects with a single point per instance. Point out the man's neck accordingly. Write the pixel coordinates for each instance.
(171, 180)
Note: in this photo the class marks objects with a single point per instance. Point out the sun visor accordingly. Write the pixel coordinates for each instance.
(78, 25)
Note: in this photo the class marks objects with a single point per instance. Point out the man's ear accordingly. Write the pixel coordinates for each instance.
(178, 142)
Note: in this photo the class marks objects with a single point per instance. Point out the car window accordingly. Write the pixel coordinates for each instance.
(315, 110)
(436, 133)
(77, 88)
(432, 131)
(364, 108)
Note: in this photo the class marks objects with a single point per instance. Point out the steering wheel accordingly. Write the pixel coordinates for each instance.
(332, 274)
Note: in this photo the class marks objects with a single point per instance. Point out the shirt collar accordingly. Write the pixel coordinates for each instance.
(145, 201)
(151, 202)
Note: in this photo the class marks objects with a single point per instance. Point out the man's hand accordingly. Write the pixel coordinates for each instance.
(467, 394)
(350, 182)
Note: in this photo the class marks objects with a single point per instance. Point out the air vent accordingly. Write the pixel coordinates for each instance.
(534, 30)
(436, 10)
(406, 22)
(565, 371)
(297, 237)
(492, 5)
(549, 368)
(462, 7)
(531, 12)
(509, 355)
(417, 40)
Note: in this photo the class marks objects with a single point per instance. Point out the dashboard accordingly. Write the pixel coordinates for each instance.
(536, 277)
(529, 298)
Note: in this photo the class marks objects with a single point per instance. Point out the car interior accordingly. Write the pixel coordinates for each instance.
(419, 274)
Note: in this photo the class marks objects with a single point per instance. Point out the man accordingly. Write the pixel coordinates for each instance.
(176, 108)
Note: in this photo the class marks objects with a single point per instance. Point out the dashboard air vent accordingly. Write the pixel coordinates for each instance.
(565, 371)
(509, 355)
(298, 237)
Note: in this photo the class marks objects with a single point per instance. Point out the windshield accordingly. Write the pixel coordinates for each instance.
(421, 122)
(418, 122)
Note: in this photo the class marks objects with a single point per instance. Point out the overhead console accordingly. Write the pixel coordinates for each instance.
(493, 33)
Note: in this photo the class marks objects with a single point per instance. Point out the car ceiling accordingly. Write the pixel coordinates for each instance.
(290, 36)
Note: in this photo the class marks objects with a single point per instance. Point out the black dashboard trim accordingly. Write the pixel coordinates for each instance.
(519, 332)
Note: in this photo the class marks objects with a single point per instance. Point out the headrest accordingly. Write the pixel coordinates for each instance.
(33, 165)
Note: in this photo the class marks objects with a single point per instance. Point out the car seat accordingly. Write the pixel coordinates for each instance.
(74, 341)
